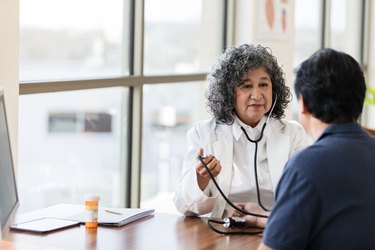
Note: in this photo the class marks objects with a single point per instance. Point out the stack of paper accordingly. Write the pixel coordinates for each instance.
(116, 217)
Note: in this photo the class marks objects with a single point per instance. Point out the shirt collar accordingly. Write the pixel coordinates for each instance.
(252, 132)
(343, 128)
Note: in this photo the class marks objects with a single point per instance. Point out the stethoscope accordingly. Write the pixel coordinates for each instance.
(256, 155)
(200, 158)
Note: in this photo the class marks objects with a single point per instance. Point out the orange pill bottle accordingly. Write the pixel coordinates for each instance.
(92, 207)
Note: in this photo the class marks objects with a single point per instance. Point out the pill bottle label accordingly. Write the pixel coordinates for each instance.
(91, 214)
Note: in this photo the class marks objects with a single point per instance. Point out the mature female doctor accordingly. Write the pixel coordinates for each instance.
(246, 90)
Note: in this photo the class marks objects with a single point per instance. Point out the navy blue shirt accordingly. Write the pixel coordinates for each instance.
(326, 196)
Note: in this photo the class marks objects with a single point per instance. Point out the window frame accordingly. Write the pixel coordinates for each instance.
(135, 82)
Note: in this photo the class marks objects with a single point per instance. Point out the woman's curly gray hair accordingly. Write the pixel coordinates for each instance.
(228, 72)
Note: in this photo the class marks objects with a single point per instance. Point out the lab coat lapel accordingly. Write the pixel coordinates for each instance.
(278, 146)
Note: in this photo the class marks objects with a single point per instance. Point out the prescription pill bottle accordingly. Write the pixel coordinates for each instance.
(91, 207)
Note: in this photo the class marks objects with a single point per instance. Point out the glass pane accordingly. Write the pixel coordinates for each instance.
(184, 36)
(169, 111)
(307, 37)
(308, 29)
(70, 144)
(346, 27)
(73, 39)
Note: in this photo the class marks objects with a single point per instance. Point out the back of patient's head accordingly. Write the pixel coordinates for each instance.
(332, 86)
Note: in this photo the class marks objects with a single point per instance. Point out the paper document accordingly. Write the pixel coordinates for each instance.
(116, 217)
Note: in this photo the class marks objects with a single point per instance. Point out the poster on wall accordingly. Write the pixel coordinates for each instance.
(272, 19)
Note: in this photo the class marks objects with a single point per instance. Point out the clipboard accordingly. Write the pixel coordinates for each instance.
(44, 225)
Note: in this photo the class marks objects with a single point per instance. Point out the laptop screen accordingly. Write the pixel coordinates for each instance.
(8, 188)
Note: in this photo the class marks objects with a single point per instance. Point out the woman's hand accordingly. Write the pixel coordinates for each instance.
(251, 221)
(213, 165)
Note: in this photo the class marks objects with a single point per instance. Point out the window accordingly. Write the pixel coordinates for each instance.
(74, 39)
(368, 115)
(346, 27)
(170, 110)
(308, 29)
(177, 34)
(343, 27)
(308, 36)
(332, 24)
(82, 81)
(71, 144)
(175, 43)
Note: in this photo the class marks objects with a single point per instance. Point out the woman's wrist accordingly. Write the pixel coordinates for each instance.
(202, 182)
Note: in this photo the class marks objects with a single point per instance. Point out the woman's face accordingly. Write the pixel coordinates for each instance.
(253, 99)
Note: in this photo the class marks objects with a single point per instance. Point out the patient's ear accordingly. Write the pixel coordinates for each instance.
(302, 106)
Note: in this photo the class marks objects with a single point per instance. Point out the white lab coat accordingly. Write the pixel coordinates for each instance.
(283, 139)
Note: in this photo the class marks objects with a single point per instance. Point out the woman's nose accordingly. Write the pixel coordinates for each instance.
(255, 94)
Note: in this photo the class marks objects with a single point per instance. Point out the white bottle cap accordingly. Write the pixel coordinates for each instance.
(91, 197)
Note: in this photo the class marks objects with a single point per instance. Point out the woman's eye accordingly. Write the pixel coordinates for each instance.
(247, 86)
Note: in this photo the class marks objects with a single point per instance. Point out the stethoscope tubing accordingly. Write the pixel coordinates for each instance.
(255, 170)
(200, 158)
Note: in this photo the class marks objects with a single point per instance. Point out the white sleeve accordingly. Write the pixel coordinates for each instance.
(189, 199)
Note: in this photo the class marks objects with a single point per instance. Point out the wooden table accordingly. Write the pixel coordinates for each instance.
(160, 231)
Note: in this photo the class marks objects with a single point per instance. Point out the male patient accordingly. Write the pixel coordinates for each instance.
(325, 199)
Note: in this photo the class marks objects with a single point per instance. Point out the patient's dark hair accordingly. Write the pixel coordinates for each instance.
(228, 72)
(332, 86)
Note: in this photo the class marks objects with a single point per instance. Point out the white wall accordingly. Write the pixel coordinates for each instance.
(247, 26)
(9, 66)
